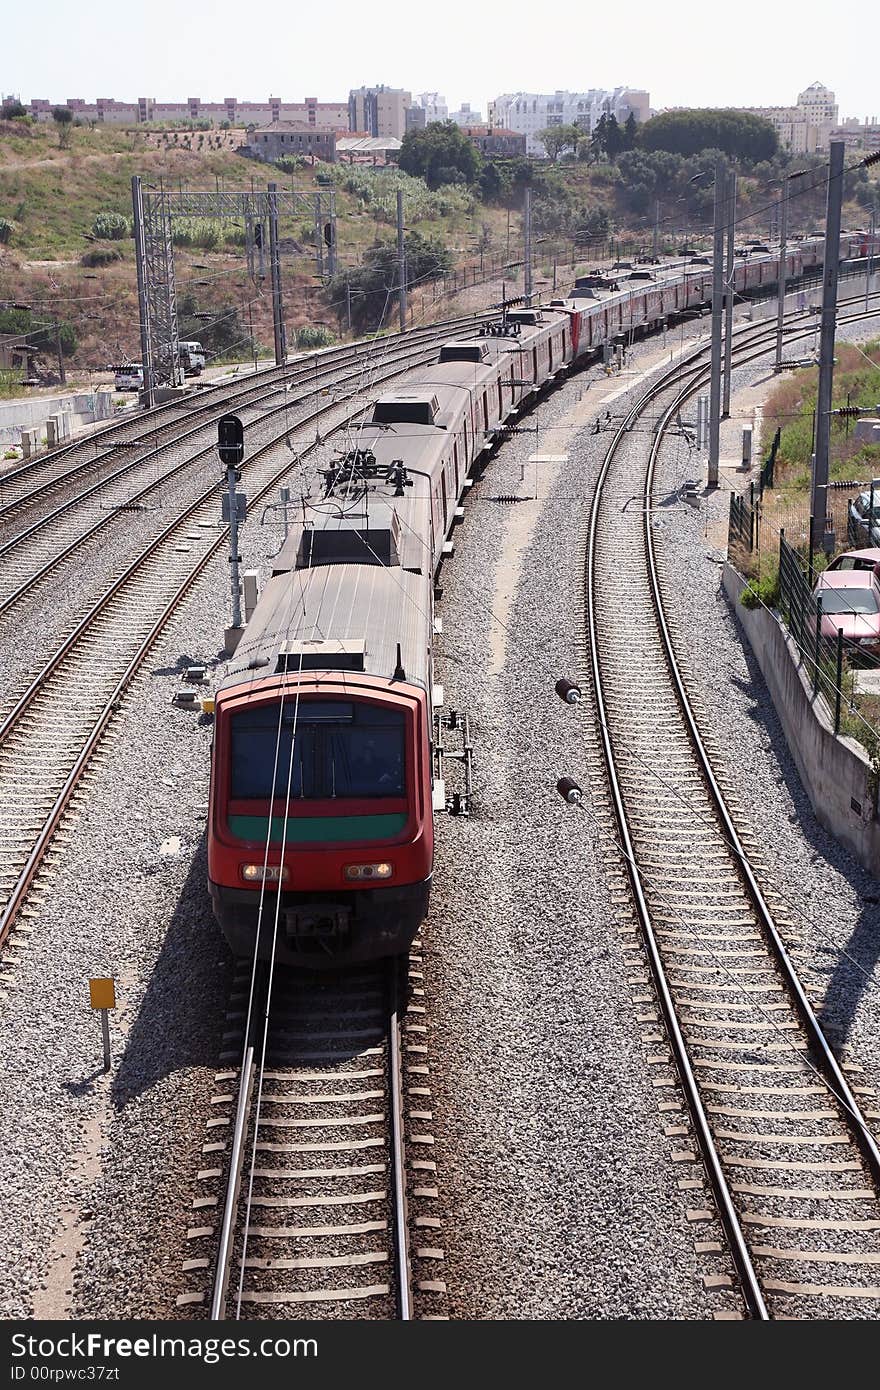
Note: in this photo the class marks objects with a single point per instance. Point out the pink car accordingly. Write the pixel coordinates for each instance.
(851, 603)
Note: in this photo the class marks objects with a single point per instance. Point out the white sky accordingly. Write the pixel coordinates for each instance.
(696, 54)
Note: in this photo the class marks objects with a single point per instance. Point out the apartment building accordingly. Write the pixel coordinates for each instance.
(379, 110)
(319, 115)
(529, 112)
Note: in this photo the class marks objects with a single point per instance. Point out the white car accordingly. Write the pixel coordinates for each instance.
(129, 377)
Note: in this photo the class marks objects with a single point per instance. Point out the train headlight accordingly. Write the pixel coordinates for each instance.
(360, 873)
(264, 873)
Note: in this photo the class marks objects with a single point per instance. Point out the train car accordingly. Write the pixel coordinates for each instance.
(320, 836)
(320, 841)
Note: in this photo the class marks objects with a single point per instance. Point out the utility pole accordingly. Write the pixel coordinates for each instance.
(61, 371)
(319, 238)
(717, 314)
(401, 264)
(819, 494)
(527, 288)
(275, 269)
(869, 269)
(140, 256)
(656, 243)
(780, 289)
(728, 293)
(331, 250)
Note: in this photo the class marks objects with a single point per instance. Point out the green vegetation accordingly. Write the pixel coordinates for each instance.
(556, 138)
(376, 191)
(224, 336)
(39, 331)
(10, 384)
(110, 226)
(7, 227)
(791, 406)
(63, 118)
(736, 133)
(764, 591)
(371, 287)
(100, 256)
(313, 336)
(440, 154)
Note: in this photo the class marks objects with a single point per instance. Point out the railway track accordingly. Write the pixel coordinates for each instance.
(781, 1140)
(315, 1213)
(54, 723)
(323, 1212)
(53, 537)
(29, 482)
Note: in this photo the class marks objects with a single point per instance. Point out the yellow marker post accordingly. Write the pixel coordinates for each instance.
(102, 995)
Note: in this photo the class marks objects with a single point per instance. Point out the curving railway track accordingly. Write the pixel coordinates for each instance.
(789, 1156)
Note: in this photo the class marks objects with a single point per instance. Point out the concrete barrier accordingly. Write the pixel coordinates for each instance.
(836, 772)
(82, 408)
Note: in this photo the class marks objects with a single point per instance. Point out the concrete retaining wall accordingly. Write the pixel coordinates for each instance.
(834, 770)
(83, 407)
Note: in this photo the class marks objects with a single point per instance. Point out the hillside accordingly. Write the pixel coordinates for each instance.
(52, 195)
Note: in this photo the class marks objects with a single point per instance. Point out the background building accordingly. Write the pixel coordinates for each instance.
(379, 110)
(807, 126)
(320, 115)
(529, 112)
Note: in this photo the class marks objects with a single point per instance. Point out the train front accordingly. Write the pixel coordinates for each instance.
(321, 833)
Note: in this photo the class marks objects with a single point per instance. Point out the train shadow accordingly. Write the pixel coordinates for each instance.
(850, 967)
(181, 1017)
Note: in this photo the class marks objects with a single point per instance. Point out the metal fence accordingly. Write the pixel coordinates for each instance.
(802, 611)
(744, 522)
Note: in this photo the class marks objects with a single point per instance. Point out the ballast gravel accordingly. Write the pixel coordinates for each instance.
(558, 1195)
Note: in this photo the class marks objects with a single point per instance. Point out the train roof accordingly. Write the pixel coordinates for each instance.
(344, 617)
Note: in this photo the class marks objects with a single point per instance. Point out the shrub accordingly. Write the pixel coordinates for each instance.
(12, 110)
(101, 255)
(6, 230)
(110, 226)
(762, 592)
(313, 336)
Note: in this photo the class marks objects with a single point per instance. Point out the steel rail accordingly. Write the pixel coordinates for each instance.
(28, 873)
(398, 1154)
(717, 1177)
(855, 1121)
(233, 1189)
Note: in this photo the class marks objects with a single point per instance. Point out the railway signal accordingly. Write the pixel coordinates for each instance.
(230, 447)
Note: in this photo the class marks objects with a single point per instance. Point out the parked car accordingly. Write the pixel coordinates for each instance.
(851, 604)
(862, 524)
(868, 559)
(129, 377)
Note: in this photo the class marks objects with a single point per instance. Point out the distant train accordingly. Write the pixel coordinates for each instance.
(320, 836)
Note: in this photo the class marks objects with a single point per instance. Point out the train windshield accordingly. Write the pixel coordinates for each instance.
(317, 750)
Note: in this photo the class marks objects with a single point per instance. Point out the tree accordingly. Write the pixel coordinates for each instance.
(371, 288)
(441, 153)
(12, 110)
(630, 132)
(614, 138)
(556, 138)
(63, 118)
(40, 332)
(599, 137)
(6, 230)
(739, 134)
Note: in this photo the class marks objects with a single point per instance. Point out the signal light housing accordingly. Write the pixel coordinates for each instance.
(265, 873)
(368, 873)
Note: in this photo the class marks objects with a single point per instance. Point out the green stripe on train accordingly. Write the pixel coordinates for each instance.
(310, 829)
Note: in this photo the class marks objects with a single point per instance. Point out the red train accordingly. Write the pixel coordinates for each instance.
(320, 839)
